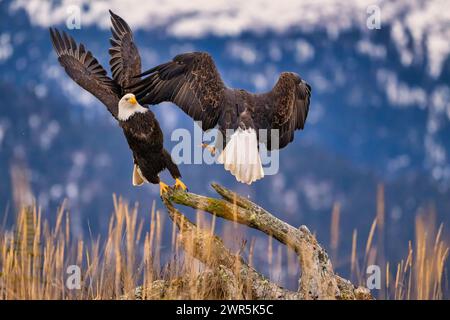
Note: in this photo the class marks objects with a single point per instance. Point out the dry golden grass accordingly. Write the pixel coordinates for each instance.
(421, 275)
(34, 260)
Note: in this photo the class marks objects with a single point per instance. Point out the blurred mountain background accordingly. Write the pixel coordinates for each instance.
(380, 110)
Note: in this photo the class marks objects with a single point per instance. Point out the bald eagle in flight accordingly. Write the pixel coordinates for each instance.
(192, 82)
(141, 128)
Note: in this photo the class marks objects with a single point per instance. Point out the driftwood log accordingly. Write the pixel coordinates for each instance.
(317, 281)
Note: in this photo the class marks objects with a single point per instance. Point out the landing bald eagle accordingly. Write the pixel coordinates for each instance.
(191, 81)
(141, 128)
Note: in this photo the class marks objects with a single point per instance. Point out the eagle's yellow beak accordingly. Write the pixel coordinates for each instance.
(132, 100)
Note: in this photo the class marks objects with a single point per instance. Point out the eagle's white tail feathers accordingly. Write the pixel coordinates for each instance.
(241, 156)
(138, 178)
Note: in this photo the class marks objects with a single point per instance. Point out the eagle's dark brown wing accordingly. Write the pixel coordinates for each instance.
(85, 70)
(125, 60)
(191, 81)
(291, 110)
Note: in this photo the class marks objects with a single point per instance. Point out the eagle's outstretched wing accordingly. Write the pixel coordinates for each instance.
(125, 60)
(85, 70)
(191, 81)
(291, 111)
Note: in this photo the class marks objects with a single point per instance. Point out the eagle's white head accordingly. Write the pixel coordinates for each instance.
(128, 106)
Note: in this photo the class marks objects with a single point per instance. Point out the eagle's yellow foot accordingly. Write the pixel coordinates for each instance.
(163, 188)
(180, 184)
(211, 149)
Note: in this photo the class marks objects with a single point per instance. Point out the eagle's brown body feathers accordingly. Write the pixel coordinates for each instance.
(142, 130)
(145, 138)
(192, 82)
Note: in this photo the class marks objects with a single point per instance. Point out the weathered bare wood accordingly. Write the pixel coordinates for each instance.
(210, 250)
(317, 281)
(217, 283)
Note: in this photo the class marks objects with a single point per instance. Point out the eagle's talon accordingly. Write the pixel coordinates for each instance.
(180, 185)
(211, 149)
(163, 188)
